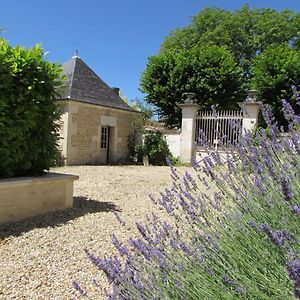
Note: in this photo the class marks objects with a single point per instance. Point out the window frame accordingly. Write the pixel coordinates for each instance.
(104, 137)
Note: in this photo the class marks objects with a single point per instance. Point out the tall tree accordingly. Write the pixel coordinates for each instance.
(244, 34)
(209, 71)
(275, 71)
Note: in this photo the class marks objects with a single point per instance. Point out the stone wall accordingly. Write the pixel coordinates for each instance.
(25, 197)
(82, 133)
(173, 141)
(63, 129)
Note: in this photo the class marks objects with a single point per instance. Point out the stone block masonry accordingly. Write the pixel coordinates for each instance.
(25, 197)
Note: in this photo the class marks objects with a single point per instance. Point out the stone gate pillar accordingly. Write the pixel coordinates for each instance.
(250, 109)
(187, 137)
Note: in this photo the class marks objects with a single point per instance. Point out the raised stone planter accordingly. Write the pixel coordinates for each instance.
(25, 197)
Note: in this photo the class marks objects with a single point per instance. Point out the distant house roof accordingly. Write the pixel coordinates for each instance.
(84, 85)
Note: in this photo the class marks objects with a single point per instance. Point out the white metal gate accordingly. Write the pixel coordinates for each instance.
(218, 128)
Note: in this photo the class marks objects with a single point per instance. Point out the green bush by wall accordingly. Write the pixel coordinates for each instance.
(28, 114)
(155, 147)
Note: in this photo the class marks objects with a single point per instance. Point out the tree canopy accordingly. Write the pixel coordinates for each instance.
(214, 57)
(275, 71)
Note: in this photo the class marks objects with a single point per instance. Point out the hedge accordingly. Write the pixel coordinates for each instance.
(28, 113)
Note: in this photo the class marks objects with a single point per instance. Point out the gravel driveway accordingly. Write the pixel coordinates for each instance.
(41, 256)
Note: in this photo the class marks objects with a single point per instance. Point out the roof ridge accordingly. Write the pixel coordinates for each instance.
(70, 83)
(72, 77)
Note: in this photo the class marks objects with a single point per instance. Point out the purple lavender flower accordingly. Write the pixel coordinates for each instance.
(189, 196)
(183, 203)
(141, 247)
(288, 111)
(94, 281)
(267, 114)
(166, 227)
(123, 250)
(296, 94)
(240, 290)
(195, 164)
(115, 292)
(174, 244)
(258, 183)
(79, 288)
(166, 202)
(187, 180)
(227, 280)
(295, 209)
(293, 270)
(230, 164)
(120, 220)
(163, 265)
(277, 237)
(144, 231)
(252, 224)
(203, 180)
(207, 169)
(174, 173)
(233, 124)
(152, 198)
(214, 111)
(216, 157)
(295, 142)
(110, 266)
(137, 282)
(202, 139)
(183, 246)
(168, 162)
(209, 272)
(215, 201)
(286, 188)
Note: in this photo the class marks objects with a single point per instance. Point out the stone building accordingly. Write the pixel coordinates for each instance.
(95, 122)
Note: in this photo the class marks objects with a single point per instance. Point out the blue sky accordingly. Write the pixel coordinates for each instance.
(114, 37)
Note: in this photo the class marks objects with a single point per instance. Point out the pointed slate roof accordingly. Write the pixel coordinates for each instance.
(84, 85)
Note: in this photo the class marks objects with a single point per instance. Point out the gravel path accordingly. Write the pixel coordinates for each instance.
(41, 256)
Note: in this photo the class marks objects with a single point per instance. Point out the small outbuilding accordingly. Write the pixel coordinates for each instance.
(96, 121)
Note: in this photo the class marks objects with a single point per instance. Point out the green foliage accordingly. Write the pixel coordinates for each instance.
(146, 110)
(209, 71)
(176, 162)
(245, 32)
(155, 147)
(189, 57)
(28, 87)
(275, 71)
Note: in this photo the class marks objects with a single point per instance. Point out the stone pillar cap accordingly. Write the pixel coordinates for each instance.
(188, 102)
(251, 96)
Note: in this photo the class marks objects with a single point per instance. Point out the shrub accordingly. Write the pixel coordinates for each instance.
(28, 132)
(155, 147)
(232, 231)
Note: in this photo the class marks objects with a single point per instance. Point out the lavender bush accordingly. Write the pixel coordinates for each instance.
(232, 228)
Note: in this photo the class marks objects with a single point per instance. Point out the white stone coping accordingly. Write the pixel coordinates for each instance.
(49, 177)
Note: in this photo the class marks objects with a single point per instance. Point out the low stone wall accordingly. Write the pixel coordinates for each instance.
(24, 197)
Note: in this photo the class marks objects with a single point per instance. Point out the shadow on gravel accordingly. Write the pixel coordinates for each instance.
(81, 207)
